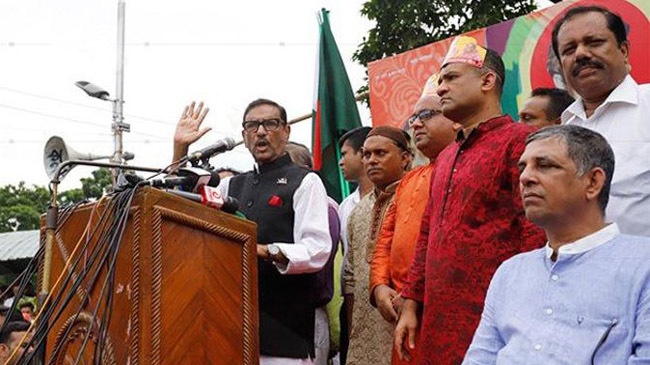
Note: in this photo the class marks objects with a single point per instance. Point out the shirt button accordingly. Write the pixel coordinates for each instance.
(549, 311)
(554, 277)
(538, 347)
(256, 181)
(455, 170)
(249, 203)
(449, 191)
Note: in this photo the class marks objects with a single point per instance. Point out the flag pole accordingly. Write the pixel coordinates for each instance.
(308, 116)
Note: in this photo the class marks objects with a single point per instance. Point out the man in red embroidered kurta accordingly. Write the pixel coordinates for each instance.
(396, 240)
(474, 219)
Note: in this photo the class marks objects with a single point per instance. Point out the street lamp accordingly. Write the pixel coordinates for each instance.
(119, 156)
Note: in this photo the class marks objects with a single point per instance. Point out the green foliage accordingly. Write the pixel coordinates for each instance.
(402, 25)
(70, 197)
(94, 187)
(21, 206)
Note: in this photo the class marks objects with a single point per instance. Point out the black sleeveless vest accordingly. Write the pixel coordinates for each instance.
(286, 302)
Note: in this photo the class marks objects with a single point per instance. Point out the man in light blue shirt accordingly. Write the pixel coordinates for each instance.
(585, 297)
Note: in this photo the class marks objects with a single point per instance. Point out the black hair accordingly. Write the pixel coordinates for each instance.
(27, 304)
(355, 137)
(11, 327)
(258, 102)
(614, 24)
(494, 63)
(558, 101)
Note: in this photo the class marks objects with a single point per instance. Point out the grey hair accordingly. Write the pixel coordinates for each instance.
(587, 149)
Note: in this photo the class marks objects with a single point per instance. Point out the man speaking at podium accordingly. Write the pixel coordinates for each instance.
(289, 205)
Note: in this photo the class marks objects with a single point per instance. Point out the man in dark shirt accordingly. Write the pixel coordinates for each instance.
(289, 205)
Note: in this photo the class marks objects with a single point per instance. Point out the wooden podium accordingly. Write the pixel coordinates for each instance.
(185, 289)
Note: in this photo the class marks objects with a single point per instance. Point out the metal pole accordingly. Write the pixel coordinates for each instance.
(118, 116)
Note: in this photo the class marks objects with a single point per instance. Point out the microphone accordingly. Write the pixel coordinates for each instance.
(214, 179)
(188, 179)
(211, 197)
(220, 146)
(228, 204)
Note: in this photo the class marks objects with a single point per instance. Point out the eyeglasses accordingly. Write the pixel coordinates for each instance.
(251, 126)
(423, 116)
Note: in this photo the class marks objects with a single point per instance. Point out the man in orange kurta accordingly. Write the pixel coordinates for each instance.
(397, 238)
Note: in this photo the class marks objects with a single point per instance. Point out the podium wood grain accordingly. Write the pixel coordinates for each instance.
(185, 287)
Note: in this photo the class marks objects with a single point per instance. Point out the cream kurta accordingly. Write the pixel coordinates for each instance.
(371, 337)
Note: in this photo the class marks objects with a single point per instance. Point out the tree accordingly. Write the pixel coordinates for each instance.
(92, 188)
(22, 206)
(402, 25)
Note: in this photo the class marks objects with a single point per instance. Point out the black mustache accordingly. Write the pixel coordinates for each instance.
(584, 63)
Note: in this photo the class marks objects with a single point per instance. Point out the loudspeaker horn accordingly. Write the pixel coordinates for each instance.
(56, 152)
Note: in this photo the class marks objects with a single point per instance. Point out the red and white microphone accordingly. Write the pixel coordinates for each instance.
(211, 197)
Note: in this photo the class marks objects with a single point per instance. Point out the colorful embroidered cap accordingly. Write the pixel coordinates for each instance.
(431, 86)
(465, 50)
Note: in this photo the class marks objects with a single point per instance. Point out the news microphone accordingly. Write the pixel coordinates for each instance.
(228, 204)
(187, 178)
(211, 197)
(220, 146)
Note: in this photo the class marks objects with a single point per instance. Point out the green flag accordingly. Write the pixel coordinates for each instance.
(334, 112)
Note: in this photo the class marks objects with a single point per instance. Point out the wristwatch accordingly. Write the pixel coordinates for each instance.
(274, 251)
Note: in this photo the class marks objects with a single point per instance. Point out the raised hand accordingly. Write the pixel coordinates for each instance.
(188, 129)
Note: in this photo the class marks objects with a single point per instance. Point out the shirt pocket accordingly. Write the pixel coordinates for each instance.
(584, 338)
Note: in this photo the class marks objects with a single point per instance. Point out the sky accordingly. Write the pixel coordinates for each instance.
(223, 53)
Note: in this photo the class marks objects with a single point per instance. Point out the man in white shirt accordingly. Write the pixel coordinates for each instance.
(289, 205)
(591, 44)
(352, 167)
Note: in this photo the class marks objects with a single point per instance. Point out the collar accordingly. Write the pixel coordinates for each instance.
(483, 127)
(465, 132)
(390, 189)
(626, 92)
(586, 243)
(356, 195)
(281, 161)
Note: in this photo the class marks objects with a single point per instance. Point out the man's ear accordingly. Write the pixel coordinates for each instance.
(595, 183)
(244, 137)
(4, 349)
(625, 48)
(407, 158)
(489, 81)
